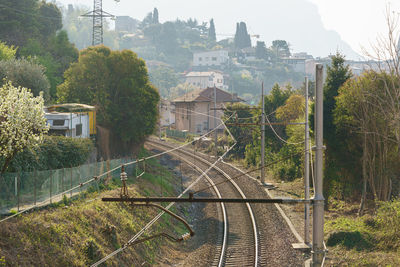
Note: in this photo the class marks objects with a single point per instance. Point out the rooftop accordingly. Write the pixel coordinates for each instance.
(207, 95)
(201, 73)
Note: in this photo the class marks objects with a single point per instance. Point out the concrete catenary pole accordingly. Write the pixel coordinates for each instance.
(306, 169)
(318, 203)
(262, 135)
(215, 120)
(160, 114)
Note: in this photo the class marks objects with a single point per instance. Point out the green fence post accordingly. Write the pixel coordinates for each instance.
(80, 180)
(62, 180)
(34, 187)
(51, 186)
(71, 182)
(18, 189)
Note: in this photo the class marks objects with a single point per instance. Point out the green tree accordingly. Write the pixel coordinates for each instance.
(337, 74)
(275, 99)
(7, 52)
(155, 16)
(261, 50)
(22, 20)
(164, 78)
(167, 41)
(50, 19)
(25, 73)
(242, 38)
(180, 90)
(242, 134)
(293, 111)
(280, 48)
(211, 32)
(370, 135)
(117, 83)
(22, 121)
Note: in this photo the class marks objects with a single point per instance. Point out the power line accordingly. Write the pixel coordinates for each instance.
(280, 138)
(253, 170)
(29, 13)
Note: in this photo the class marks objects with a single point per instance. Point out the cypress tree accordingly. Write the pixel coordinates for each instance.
(211, 32)
(242, 38)
(236, 40)
(155, 16)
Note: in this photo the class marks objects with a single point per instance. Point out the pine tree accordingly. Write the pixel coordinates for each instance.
(211, 32)
(155, 16)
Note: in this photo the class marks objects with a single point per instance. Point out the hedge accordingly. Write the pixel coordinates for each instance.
(55, 152)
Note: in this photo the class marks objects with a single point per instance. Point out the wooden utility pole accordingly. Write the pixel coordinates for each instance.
(159, 114)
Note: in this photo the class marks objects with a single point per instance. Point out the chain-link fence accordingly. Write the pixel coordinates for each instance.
(176, 134)
(22, 190)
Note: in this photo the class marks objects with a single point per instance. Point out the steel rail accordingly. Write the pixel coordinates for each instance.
(158, 216)
(224, 216)
(252, 218)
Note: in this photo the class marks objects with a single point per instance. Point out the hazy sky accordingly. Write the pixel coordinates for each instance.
(357, 21)
(301, 22)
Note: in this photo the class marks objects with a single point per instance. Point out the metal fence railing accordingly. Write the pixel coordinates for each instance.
(21, 190)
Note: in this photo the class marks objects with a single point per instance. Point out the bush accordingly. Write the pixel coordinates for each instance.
(354, 239)
(25, 73)
(387, 222)
(55, 152)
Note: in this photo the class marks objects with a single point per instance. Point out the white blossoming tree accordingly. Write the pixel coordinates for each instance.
(22, 121)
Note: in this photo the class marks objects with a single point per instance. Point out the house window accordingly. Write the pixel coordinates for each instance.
(58, 122)
(214, 58)
(79, 129)
(200, 59)
(207, 58)
(198, 128)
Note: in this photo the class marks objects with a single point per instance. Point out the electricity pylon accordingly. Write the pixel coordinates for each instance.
(97, 14)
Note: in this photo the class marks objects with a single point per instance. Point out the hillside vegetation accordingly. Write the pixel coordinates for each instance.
(82, 231)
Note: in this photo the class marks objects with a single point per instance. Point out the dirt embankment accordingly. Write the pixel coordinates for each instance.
(81, 232)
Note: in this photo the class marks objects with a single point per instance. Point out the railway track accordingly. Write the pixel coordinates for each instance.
(239, 244)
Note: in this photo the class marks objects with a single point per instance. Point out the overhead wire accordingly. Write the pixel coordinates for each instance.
(279, 137)
(253, 170)
(149, 224)
(29, 13)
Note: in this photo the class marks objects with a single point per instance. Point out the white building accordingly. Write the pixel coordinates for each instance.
(210, 58)
(167, 113)
(68, 124)
(206, 79)
(298, 64)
